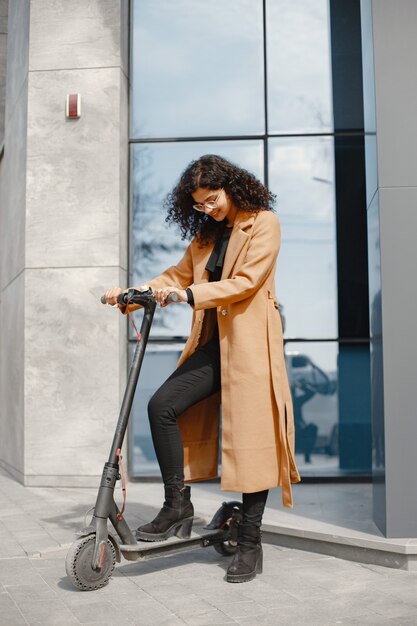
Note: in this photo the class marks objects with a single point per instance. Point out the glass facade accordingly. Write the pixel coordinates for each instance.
(299, 67)
(254, 81)
(208, 60)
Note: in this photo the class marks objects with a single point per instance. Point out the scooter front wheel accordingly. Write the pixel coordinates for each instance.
(78, 564)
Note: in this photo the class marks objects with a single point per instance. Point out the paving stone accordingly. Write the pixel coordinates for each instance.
(368, 619)
(10, 614)
(18, 572)
(37, 591)
(402, 588)
(47, 613)
(99, 611)
(11, 548)
(272, 618)
(220, 595)
(187, 605)
(375, 601)
(48, 564)
(242, 609)
(277, 599)
(150, 613)
(209, 618)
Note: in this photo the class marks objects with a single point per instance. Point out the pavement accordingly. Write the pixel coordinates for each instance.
(37, 527)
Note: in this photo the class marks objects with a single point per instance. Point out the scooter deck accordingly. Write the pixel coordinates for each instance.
(146, 550)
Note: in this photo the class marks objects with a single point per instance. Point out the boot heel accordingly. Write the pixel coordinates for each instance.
(259, 563)
(184, 530)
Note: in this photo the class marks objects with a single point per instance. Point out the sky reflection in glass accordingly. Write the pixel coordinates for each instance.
(299, 66)
(301, 173)
(197, 68)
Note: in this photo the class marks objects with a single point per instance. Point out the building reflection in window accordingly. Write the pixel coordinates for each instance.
(330, 389)
(313, 377)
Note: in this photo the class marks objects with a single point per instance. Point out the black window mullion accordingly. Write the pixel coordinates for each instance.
(349, 157)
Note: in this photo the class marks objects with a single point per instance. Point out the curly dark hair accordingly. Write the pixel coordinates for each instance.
(213, 172)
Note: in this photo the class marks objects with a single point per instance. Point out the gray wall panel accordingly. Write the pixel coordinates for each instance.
(390, 49)
(398, 224)
(395, 53)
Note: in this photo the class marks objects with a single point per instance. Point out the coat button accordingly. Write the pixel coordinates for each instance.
(224, 311)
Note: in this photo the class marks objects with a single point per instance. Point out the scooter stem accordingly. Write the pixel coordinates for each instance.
(149, 306)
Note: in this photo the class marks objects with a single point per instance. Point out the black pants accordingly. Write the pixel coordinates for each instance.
(196, 379)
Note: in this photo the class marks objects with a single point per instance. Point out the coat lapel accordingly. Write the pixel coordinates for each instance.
(240, 235)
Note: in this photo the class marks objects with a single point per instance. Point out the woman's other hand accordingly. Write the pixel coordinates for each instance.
(162, 294)
(112, 294)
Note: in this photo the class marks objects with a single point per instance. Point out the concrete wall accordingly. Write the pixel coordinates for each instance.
(390, 94)
(3, 60)
(75, 239)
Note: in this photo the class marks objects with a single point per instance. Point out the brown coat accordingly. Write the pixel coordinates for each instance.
(257, 413)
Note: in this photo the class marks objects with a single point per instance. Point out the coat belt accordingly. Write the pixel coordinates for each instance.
(284, 464)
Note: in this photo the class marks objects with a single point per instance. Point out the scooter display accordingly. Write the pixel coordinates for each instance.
(91, 559)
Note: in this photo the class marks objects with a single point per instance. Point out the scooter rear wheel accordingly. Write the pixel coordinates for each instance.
(78, 564)
(225, 548)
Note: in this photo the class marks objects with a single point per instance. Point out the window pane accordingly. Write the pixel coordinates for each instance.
(197, 68)
(299, 66)
(331, 398)
(156, 168)
(301, 173)
(312, 373)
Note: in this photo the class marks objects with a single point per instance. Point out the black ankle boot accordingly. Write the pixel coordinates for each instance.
(247, 562)
(175, 517)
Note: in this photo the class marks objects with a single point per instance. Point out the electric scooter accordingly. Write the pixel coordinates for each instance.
(91, 559)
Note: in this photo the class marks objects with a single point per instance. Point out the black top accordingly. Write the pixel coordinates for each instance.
(215, 263)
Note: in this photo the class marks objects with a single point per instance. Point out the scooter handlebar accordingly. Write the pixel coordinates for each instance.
(134, 294)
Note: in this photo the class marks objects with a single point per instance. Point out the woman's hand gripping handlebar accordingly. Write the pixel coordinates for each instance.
(118, 297)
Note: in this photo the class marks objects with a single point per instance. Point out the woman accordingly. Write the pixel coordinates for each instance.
(227, 275)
